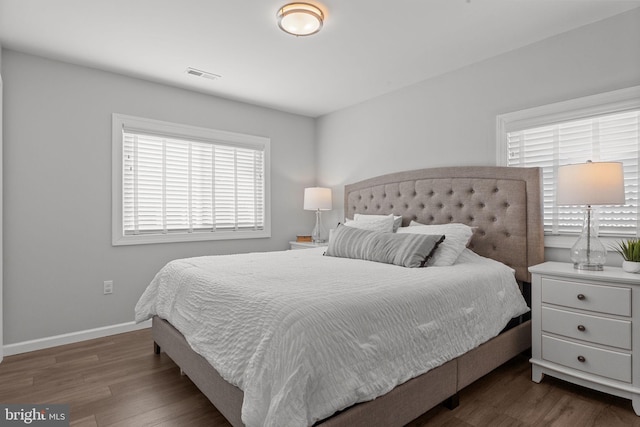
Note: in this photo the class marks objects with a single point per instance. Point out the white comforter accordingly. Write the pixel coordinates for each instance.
(304, 335)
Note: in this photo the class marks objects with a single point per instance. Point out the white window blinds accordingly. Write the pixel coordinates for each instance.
(180, 186)
(603, 137)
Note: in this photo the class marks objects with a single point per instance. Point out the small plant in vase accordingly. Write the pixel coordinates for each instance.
(630, 252)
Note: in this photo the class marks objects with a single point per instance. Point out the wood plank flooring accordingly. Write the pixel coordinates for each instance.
(118, 381)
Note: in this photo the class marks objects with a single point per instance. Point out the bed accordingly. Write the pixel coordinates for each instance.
(503, 207)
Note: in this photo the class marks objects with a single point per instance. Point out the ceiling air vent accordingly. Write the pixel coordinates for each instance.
(203, 74)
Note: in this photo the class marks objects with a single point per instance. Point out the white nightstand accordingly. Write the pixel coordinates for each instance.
(586, 328)
(306, 245)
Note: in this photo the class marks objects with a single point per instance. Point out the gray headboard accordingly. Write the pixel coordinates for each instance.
(503, 203)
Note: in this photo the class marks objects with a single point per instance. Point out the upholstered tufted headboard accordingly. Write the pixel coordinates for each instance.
(503, 203)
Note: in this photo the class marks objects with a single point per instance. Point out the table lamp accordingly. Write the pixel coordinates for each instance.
(317, 199)
(589, 184)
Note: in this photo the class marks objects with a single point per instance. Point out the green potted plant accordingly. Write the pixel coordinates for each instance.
(630, 252)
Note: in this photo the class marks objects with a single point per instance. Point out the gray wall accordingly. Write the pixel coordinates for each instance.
(1, 239)
(57, 159)
(57, 171)
(450, 120)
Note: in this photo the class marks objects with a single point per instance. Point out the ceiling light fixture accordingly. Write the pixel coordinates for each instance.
(300, 19)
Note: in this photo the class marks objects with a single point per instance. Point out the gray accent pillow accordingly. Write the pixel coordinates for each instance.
(407, 250)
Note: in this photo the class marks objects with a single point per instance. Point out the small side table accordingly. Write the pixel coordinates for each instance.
(306, 245)
(586, 328)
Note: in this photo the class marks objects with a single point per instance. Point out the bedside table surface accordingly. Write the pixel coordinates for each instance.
(307, 245)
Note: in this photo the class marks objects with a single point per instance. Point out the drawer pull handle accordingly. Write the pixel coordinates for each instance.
(581, 359)
(581, 297)
(581, 328)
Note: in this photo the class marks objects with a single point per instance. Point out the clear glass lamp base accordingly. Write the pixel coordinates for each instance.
(590, 267)
(316, 236)
(318, 230)
(588, 253)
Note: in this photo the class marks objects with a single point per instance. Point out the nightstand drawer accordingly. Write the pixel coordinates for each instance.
(601, 330)
(606, 363)
(603, 299)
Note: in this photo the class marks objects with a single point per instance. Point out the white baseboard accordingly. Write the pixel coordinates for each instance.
(73, 337)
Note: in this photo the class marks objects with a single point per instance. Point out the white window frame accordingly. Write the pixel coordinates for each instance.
(175, 130)
(604, 103)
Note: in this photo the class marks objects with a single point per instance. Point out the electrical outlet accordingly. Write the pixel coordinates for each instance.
(108, 287)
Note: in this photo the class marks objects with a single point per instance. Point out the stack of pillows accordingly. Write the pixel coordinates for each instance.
(380, 238)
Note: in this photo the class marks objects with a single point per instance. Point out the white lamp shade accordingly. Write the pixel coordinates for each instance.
(317, 198)
(591, 183)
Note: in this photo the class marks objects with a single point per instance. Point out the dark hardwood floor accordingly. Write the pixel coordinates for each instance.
(118, 381)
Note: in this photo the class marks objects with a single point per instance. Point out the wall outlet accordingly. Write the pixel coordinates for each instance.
(108, 287)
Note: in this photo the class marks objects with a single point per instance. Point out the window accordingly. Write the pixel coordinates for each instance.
(176, 183)
(603, 127)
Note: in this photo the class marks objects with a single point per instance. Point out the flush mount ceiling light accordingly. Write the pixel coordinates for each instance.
(300, 19)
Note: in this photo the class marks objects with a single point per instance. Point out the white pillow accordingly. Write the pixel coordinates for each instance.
(397, 219)
(383, 224)
(457, 236)
(453, 225)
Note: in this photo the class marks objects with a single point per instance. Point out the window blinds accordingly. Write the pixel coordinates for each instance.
(174, 185)
(606, 137)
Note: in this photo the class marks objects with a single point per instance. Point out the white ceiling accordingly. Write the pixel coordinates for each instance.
(366, 48)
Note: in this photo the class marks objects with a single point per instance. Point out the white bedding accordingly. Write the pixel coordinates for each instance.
(304, 335)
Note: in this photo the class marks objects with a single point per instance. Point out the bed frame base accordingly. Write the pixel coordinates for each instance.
(452, 402)
(396, 408)
(502, 203)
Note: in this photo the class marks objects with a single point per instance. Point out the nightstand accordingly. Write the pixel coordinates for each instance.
(306, 245)
(585, 329)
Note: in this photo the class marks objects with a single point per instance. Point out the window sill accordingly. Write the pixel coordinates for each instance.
(146, 239)
(566, 242)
